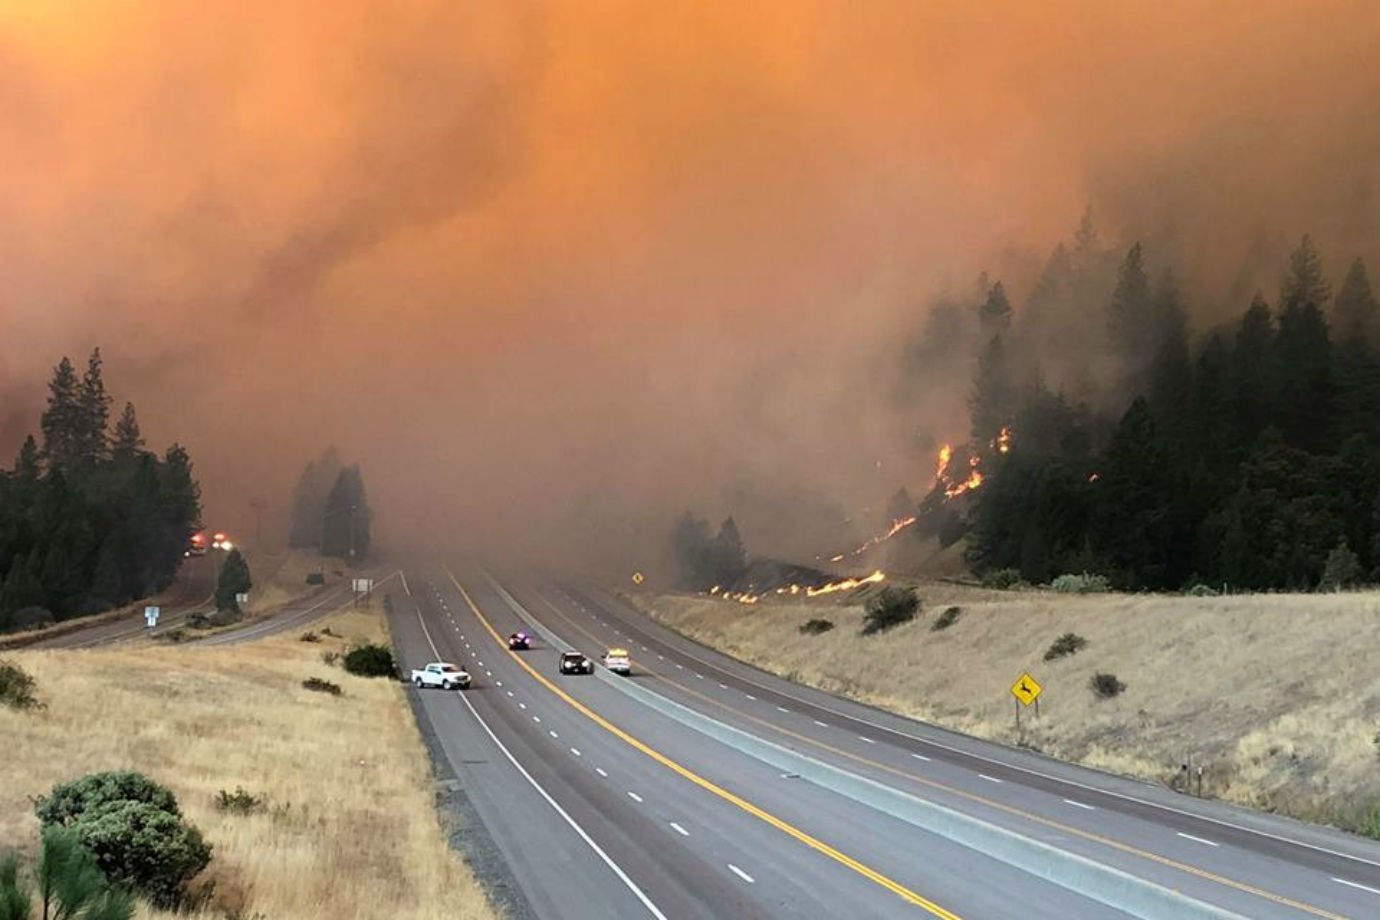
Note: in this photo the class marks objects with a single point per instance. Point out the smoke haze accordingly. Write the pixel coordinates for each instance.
(546, 268)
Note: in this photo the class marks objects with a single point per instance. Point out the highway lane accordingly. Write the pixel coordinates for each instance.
(1250, 863)
(670, 821)
(192, 592)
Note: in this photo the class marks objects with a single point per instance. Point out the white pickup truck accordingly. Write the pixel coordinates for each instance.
(442, 674)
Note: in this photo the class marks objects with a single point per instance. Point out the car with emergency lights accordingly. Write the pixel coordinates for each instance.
(441, 674)
(575, 663)
(519, 641)
(618, 661)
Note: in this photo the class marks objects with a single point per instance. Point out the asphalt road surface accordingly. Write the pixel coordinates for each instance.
(673, 795)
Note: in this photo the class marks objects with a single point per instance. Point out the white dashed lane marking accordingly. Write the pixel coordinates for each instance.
(741, 874)
(1198, 839)
(684, 833)
(600, 771)
(1078, 805)
(634, 796)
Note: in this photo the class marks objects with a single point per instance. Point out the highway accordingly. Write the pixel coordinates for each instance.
(701, 787)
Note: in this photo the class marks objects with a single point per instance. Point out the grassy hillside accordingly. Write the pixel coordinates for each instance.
(1278, 696)
(348, 828)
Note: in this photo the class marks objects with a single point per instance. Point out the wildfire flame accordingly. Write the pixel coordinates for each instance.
(1003, 442)
(846, 585)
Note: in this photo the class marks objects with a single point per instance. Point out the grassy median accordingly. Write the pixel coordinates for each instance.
(346, 826)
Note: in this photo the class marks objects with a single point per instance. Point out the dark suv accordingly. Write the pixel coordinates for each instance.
(575, 663)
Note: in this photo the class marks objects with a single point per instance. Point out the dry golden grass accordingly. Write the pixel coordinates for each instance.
(350, 829)
(1277, 695)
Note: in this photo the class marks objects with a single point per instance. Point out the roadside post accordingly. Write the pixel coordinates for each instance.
(151, 617)
(363, 588)
(1027, 692)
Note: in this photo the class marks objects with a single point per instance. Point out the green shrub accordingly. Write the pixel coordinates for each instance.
(321, 686)
(134, 829)
(1202, 590)
(316, 578)
(816, 626)
(1105, 686)
(198, 621)
(69, 801)
(1066, 645)
(239, 802)
(946, 619)
(1085, 583)
(175, 635)
(1003, 579)
(889, 607)
(371, 661)
(17, 687)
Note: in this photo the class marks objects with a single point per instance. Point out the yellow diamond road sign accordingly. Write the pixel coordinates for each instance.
(1026, 689)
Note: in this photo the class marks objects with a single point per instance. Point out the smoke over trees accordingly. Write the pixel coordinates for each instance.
(89, 521)
(702, 561)
(309, 499)
(1248, 457)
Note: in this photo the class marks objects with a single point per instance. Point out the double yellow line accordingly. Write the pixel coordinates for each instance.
(737, 801)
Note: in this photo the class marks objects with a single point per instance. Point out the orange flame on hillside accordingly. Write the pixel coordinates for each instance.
(846, 585)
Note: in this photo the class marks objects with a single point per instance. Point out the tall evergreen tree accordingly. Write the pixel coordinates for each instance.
(346, 521)
(995, 394)
(729, 557)
(1356, 314)
(1130, 313)
(63, 420)
(308, 504)
(234, 579)
(94, 404)
(1305, 405)
(127, 441)
(1304, 282)
(994, 314)
(1132, 519)
(1254, 369)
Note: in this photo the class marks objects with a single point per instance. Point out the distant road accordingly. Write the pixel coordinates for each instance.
(611, 803)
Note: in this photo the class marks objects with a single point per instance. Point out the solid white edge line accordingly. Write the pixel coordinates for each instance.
(608, 861)
(404, 582)
(1342, 881)
(742, 875)
(1011, 765)
(1197, 839)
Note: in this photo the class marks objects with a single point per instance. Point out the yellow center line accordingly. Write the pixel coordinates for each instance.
(813, 843)
(972, 796)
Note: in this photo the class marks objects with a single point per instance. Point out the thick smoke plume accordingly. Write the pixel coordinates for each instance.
(566, 268)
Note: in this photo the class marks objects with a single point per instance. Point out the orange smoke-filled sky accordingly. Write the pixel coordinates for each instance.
(523, 258)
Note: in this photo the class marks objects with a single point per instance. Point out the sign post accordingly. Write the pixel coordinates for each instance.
(1027, 691)
(363, 588)
(151, 617)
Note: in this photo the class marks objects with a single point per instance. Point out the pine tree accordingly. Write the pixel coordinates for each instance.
(690, 547)
(994, 314)
(1130, 317)
(1304, 283)
(1170, 369)
(1254, 371)
(730, 559)
(62, 421)
(128, 441)
(1132, 521)
(234, 579)
(346, 520)
(1305, 406)
(307, 508)
(993, 402)
(94, 404)
(1356, 315)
